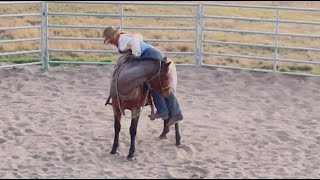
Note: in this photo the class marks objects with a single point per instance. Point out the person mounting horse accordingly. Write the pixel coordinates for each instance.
(133, 44)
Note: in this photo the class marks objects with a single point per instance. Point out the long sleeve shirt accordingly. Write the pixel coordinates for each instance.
(129, 42)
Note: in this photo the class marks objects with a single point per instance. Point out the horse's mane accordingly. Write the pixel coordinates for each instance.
(131, 58)
(143, 59)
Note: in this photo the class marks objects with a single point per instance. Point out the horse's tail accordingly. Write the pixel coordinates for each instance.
(107, 102)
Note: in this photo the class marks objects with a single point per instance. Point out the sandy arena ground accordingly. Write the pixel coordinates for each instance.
(237, 124)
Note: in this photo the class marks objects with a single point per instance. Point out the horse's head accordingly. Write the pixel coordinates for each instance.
(162, 82)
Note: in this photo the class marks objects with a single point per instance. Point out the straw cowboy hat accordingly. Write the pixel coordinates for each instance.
(109, 32)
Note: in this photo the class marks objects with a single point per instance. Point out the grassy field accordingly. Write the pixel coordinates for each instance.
(170, 34)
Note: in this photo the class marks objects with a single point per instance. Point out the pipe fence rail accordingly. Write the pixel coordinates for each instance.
(198, 28)
(41, 39)
(276, 35)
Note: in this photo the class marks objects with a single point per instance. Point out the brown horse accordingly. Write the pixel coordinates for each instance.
(129, 89)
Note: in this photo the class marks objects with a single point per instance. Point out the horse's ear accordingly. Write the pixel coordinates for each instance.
(164, 59)
(168, 64)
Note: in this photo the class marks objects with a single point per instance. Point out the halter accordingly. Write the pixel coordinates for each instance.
(148, 85)
(164, 88)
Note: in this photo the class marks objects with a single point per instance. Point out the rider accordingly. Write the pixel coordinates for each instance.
(134, 44)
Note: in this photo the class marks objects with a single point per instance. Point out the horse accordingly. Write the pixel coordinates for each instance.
(132, 79)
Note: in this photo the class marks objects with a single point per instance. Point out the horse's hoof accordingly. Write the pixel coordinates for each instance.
(179, 145)
(131, 158)
(115, 153)
(163, 136)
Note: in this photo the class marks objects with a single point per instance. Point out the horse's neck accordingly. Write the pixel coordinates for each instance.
(135, 73)
(142, 70)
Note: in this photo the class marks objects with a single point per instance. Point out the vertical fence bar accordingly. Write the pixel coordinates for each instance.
(196, 39)
(201, 31)
(276, 37)
(42, 9)
(121, 16)
(47, 36)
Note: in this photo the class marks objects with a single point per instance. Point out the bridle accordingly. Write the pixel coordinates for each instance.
(159, 75)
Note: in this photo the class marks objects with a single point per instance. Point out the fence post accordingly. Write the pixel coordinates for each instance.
(201, 14)
(47, 37)
(121, 16)
(44, 36)
(42, 39)
(275, 59)
(196, 40)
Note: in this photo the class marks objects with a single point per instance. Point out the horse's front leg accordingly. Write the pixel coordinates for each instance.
(165, 129)
(117, 128)
(133, 131)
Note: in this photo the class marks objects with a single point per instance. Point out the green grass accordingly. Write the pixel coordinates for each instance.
(283, 69)
(20, 59)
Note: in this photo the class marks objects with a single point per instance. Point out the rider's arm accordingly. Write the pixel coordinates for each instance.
(130, 42)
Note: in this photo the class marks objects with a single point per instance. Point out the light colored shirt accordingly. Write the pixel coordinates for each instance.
(131, 42)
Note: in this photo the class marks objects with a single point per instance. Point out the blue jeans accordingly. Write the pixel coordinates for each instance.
(152, 52)
(165, 106)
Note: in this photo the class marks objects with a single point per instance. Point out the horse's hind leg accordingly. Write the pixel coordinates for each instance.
(133, 132)
(117, 128)
(178, 136)
(165, 129)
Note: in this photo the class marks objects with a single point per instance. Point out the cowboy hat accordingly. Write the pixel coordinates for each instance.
(109, 32)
